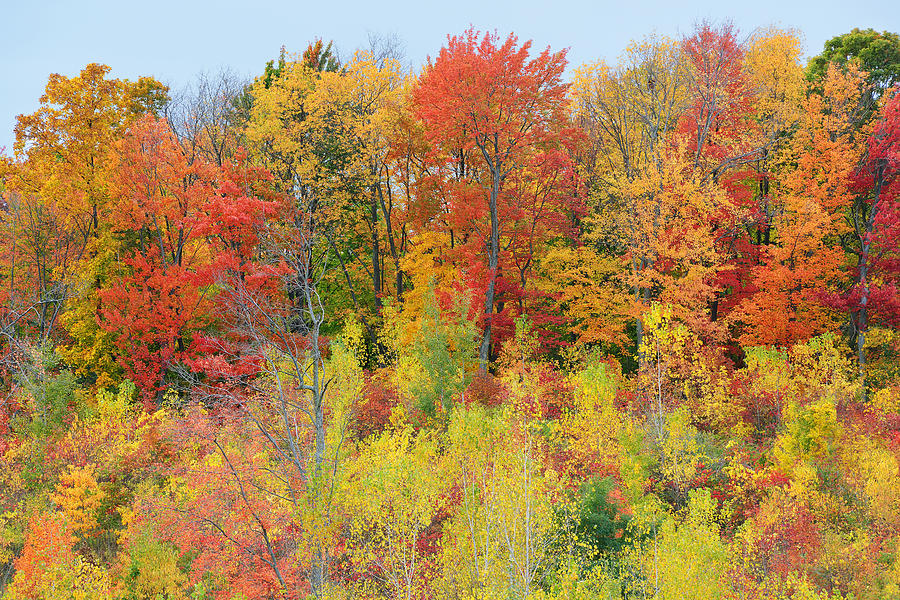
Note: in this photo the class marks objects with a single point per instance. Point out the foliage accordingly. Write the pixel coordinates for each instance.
(476, 332)
(876, 53)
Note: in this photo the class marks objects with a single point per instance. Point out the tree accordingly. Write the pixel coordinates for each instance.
(649, 212)
(488, 107)
(49, 568)
(207, 118)
(399, 492)
(500, 537)
(586, 286)
(60, 189)
(373, 88)
(775, 78)
(801, 257)
(433, 355)
(878, 54)
(158, 299)
(725, 139)
(599, 523)
(179, 223)
(273, 375)
(875, 218)
(39, 263)
(220, 505)
(67, 140)
(321, 133)
(717, 118)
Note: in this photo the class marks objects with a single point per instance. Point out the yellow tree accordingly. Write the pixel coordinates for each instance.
(326, 136)
(772, 63)
(65, 144)
(587, 286)
(775, 75)
(589, 428)
(648, 207)
(397, 491)
(498, 542)
(59, 187)
(374, 89)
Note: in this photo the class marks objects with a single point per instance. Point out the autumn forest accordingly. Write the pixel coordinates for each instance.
(493, 327)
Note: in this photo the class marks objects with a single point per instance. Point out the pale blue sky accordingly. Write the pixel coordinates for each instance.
(174, 40)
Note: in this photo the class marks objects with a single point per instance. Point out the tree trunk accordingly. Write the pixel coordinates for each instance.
(493, 255)
(392, 244)
(376, 253)
(862, 315)
(316, 317)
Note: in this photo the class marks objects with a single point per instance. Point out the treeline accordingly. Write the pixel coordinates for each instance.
(476, 332)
